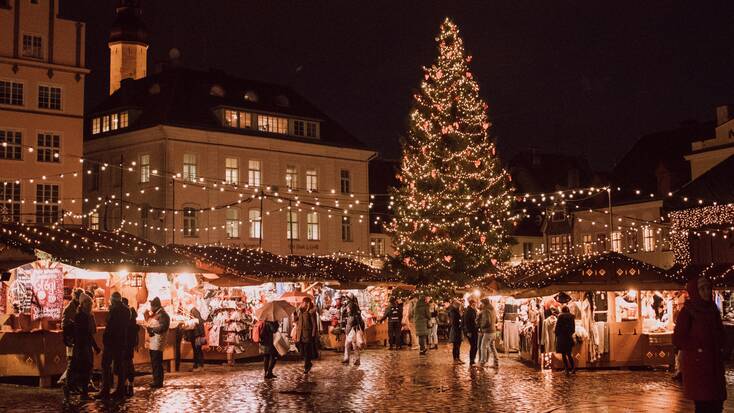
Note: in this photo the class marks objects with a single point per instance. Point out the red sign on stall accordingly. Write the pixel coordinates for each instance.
(48, 293)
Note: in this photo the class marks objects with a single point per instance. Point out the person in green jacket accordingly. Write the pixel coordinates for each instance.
(421, 317)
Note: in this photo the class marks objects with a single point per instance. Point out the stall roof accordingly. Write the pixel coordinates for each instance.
(253, 263)
(605, 271)
(94, 250)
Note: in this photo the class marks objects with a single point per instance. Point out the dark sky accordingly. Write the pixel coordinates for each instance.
(580, 77)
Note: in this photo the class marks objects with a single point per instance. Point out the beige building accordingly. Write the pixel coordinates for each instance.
(41, 112)
(201, 157)
(707, 153)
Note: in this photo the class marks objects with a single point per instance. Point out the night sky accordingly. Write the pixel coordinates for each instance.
(579, 77)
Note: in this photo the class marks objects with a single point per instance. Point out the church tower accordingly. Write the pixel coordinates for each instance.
(128, 44)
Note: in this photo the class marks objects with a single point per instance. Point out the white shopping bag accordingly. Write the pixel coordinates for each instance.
(281, 343)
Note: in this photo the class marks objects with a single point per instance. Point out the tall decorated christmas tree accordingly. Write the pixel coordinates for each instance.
(453, 207)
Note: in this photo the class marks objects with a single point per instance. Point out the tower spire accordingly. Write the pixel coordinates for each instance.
(128, 44)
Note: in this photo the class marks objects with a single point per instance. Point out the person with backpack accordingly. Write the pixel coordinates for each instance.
(354, 329)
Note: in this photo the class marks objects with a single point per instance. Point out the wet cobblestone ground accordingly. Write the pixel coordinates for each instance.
(386, 381)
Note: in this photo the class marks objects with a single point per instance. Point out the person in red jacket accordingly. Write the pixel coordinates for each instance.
(699, 334)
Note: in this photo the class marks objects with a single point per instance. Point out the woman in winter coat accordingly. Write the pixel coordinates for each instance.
(267, 347)
(699, 334)
(421, 317)
(307, 332)
(487, 329)
(82, 360)
(565, 327)
(455, 330)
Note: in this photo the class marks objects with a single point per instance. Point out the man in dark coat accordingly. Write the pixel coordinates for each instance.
(699, 334)
(471, 329)
(565, 327)
(132, 344)
(82, 359)
(455, 330)
(394, 317)
(67, 326)
(115, 347)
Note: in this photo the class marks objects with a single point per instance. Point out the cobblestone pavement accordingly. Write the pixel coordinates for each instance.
(386, 381)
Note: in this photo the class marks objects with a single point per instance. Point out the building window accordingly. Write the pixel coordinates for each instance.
(11, 93)
(256, 224)
(292, 230)
(47, 203)
(299, 128)
(254, 173)
(632, 241)
(588, 244)
(94, 221)
(105, 123)
(601, 242)
(124, 119)
(232, 223)
(189, 167)
(32, 46)
(312, 226)
(232, 171)
(114, 121)
(190, 226)
(648, 239)
(311, 130)
(291, 177)
(559, 244)
(345, 182)
(346, 229)
(312, 180)
(231, 118)
(10, 202)
(272, 124)
(527, 250)
(617, 241)
(49, 97)
(96, 126)
(245, 120)
(377, 247)
(144, 169)
(11, 145)
(49, 147)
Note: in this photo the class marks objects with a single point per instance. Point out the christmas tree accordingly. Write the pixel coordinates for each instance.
(453, 207)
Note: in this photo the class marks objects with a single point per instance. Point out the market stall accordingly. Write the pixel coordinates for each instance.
(624, 309)
(34, 295)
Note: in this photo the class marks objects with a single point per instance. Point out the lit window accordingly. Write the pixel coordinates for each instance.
(346, 229)
(291, 177)
(189, 167)
(345, 181)
(312, 226)
(49, 147)
(105, 124)
(272, 124)
(312, 180)
(377, 247)
(11, 93)
(299, 128)
(648, 239)
(144, 168)
(588, 244)
(96, 126)
(292, 230)
(617, 241)
(245, 120)
(256, 226)
(231, 171)
(49, 97)
(232, 224)
(231, 118)
(124, 119)
(527, 250)
(47, 203)
(311, 130)
(32, 46)
(190, 226)
(9, 202)
(94, 221)
(114, 121)
(11, 145)
(254, 173)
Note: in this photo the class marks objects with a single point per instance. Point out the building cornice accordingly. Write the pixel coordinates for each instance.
(43, 65)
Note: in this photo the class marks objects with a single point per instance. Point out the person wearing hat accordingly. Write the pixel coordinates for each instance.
(114, 340)
(157, 329)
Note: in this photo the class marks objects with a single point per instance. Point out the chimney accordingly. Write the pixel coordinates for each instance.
(722, 114)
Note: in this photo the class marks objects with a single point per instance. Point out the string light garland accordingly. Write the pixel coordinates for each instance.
(695, 222)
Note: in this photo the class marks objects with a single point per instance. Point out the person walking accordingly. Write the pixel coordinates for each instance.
(455, 331)
(394, 316)
(433, 324)
(115, 346)
(353, 328)
(699, 335)
(131, 346)
(67, 327)
(307, 332)
(82, 359)
(421, 317)
(195, 336)
(267, 347)
(488, 331)
(157, 329)
(565, 327)
(471, 329)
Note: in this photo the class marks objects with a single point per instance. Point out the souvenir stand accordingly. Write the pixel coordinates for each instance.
(67, 257)
(624, 309)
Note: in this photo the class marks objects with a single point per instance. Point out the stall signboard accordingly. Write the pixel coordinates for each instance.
(48, 290)
(22, 290)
